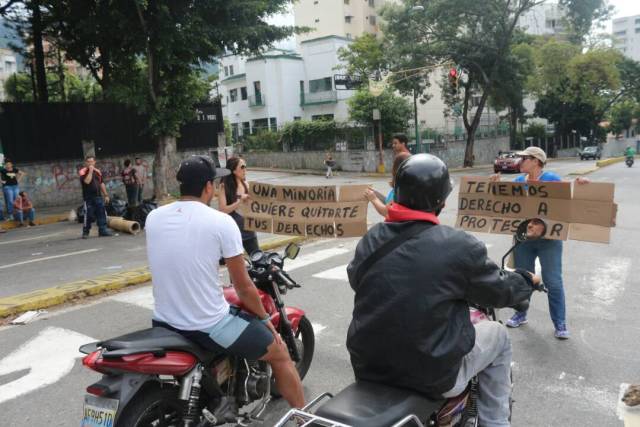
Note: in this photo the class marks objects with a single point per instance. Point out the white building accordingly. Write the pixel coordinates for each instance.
(546, 19)
(8, 66)
(281, 86)
(626, 36)
(343, 18)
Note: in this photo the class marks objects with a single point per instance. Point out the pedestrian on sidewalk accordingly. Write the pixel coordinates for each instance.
(141, 175)
(549, 252)
(131, 183)
(10, 177)
(23, 208)
(330, 164)
(400, 144)
(234, 192)
(94, 194)
(383, 207)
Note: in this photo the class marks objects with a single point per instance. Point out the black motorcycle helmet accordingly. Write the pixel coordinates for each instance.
(422, 183)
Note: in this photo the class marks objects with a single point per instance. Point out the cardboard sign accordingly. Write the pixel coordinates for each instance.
(306, 211)
(579, 212)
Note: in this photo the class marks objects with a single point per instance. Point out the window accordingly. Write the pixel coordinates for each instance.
(234, 132)
(620, 33)
(372, 20)
(637, 30)
(372, 3)
(347, 19)
(296, 118)
(315, 2)
(233, 95)
(322, 117)
(226, 70)
(243, 93)
(273, 123)
(349, 36)
(246, 128)
(317, 20)
(320, 85)
(231, 70)
(346, 1)
(637, 20)
(260, 125)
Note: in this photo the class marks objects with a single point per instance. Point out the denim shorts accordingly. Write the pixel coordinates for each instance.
(238, 334)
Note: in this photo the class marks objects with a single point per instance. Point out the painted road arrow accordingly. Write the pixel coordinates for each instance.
(49, 357)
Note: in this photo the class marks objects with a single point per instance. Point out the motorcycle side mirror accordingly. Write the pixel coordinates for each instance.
(531, 229)
(291, 251)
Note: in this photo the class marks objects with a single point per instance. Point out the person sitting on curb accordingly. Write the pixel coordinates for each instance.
(22, 207)
(549, 252)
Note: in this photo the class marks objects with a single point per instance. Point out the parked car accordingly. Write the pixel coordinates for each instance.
(591, 153)
(507, 161)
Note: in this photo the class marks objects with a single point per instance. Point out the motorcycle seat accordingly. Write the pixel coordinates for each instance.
(376, 405)
(155, 339)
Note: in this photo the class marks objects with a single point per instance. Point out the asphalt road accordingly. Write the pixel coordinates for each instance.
(572, 383)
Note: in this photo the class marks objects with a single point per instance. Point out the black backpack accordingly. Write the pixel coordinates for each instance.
(116, 207)
(139, 213)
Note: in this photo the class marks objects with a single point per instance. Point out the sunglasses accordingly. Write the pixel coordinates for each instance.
(527, 158)
(243, 167)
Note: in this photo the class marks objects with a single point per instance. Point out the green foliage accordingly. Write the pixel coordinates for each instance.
(394, 111)
(583, 15)
(536, 130)
(228, 132)
(19, 88)
(624, 115)
(264, 141)
(364, 57)
(310, 135)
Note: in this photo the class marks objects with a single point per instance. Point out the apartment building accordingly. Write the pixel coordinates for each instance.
(342, 18)
(626, 36)
(280, 86)
(8, 66)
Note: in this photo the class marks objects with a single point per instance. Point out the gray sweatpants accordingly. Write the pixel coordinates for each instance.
(490, 360)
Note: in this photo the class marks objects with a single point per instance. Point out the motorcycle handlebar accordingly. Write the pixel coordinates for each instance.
(286, 279)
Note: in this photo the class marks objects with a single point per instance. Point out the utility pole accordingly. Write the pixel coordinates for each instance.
(378, 125)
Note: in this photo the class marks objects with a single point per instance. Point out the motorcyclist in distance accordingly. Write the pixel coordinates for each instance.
(411, 326)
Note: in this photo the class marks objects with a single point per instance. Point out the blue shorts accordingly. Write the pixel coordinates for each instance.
(238, 333)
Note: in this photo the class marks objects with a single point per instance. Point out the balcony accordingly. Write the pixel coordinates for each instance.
(257, 101)
(316, 98)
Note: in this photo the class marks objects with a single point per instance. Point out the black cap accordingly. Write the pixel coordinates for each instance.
(199, 169)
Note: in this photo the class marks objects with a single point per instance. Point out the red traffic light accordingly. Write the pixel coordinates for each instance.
(453, 73)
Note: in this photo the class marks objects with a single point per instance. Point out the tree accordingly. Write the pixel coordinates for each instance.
(364, 58)
(583, 15)
(477, 36)
(29, 19)
(394, 110)
(408, 61)
(18, 88)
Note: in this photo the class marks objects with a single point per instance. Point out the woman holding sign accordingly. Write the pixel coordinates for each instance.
(549, 252)
(232, 193)
(370, 193)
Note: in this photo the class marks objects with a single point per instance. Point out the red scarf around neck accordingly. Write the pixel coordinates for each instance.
(399, 213)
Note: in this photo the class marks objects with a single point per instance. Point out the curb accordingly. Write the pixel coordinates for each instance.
(45, 220)
(600, 164)
(57, 295)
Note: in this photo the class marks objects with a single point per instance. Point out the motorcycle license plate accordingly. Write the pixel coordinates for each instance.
(99, 412)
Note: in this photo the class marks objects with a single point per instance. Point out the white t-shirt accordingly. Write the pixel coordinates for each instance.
(185, 241)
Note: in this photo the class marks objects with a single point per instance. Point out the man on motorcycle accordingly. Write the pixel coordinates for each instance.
(629, 152)
(185, 241)
(411, 326)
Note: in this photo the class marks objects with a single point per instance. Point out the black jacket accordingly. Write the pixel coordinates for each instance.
(411, 325)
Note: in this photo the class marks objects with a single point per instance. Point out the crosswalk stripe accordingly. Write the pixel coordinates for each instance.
(336, 273)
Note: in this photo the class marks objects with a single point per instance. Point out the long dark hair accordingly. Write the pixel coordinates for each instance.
(230, 182)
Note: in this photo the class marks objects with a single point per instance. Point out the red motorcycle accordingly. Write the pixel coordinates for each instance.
(367, 404)
(156, 377)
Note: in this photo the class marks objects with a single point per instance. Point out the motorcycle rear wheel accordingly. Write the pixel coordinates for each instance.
(306, 341)
(151, 407)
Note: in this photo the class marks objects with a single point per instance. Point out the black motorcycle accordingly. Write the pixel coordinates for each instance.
(367, 404)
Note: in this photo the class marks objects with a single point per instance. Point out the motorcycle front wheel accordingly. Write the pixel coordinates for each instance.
(306, 341)
(153, 406)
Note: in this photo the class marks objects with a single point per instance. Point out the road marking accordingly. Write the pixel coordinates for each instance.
(314, 257)
(86, 251)
(142, 297)
(318, 328)
(30, 238)
(336, 273)
(49, 357)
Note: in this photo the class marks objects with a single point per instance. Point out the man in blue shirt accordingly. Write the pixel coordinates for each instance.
(549, 252)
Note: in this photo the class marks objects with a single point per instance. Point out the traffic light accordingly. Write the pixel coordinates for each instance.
(454, 78)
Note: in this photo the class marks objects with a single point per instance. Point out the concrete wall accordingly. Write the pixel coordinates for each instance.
(367, 161)
(57, 184)
(615, 147)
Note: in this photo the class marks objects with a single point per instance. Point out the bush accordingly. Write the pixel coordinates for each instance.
(264, 141)
(310, 135)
